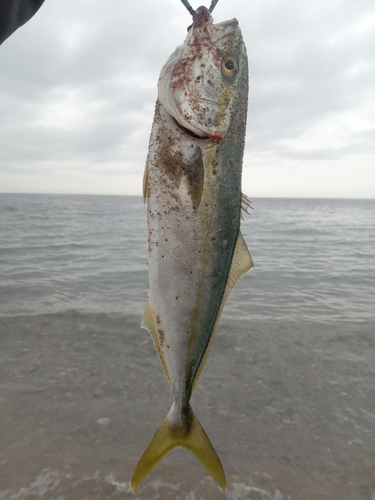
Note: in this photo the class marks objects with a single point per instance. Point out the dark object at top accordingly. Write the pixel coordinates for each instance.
(15, 13)
(193, 12)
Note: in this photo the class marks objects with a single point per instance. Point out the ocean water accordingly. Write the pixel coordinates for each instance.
(287, 396)
(314, 259)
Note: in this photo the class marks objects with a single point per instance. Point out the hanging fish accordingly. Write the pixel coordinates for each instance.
(192, 187)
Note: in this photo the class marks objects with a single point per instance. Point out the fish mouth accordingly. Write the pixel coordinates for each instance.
(216, 137)
(189, 132)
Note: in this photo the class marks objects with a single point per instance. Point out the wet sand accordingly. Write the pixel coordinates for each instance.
(290, 409)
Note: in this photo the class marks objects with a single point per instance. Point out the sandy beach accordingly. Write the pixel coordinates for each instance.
(290, 409)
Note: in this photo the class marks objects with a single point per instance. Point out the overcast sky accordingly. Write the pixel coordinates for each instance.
(78, 88)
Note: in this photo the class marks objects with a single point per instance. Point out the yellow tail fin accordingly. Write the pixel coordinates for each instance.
(172, 433)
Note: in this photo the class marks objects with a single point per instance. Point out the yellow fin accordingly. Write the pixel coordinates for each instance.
(241, 263)
(187, 433)
(149, 323)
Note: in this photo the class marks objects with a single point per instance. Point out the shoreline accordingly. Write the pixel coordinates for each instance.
(290, 409)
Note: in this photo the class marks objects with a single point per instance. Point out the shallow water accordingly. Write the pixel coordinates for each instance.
(287, 396)
(289, 409)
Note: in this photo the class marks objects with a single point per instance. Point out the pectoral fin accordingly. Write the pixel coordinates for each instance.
(145, 183)
(194, 169)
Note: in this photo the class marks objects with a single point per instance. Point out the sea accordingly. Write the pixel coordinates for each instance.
(287, 396)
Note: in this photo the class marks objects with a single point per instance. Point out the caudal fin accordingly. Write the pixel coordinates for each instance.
(187, 433)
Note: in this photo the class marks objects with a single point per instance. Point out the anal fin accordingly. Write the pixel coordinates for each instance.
(150, 324)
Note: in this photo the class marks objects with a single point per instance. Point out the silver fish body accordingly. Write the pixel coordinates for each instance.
(192, 186)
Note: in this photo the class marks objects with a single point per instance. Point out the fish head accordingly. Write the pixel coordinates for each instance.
(200, 80)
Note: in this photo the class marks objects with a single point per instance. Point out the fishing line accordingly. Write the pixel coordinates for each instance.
(212, 6)
(192, 11)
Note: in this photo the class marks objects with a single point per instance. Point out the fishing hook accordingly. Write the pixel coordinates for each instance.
(192, 11)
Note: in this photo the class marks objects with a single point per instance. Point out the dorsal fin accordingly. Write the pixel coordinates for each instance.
(245, 204)
(241, 263)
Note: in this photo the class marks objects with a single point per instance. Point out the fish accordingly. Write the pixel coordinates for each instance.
(192, 190)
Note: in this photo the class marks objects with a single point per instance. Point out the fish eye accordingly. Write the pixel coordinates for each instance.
(229, 66)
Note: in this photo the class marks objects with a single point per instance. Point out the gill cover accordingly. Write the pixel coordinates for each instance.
(198, 82)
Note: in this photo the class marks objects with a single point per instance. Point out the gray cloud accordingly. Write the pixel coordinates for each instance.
(78, 84)
(306, 67)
